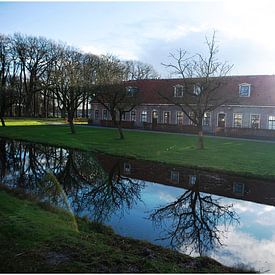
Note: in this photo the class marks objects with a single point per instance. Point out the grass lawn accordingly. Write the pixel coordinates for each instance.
(37, 121)
(37, 238)
(242, 157)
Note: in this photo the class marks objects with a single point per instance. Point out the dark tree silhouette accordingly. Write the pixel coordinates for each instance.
(195, 221)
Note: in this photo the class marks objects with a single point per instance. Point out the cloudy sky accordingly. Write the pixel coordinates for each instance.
(148, 31)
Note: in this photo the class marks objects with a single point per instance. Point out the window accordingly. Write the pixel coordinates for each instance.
(180, 118)
(238, 188)
(255, 121)
(166, 117)
(123, 116)
(271, 122)
(143, 116)
(133, 116)
(104, 114)
(175, 177)
(192, 115)
(244, 90)
(127, 168)
(178, 91)
(131, 91)
(197, 89)
(192, 179)
(237, 120)
(206, 119)
(96, 114)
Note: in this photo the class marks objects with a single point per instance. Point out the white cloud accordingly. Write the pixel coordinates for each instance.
(241, 248)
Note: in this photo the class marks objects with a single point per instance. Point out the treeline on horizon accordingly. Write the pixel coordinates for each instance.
(40, 77)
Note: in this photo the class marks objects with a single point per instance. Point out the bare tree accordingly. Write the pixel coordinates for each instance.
(33, 53)
(70, 80)
(203, 78)
(118, 99)
(111, 91)
(138, 70)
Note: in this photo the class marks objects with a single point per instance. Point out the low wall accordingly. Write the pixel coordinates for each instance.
(245, 132)
(190, 129)
(124, 124)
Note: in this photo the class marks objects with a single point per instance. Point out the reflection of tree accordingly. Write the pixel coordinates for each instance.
(67, 178)
(3, 158)
(195, 221)
(115, 192)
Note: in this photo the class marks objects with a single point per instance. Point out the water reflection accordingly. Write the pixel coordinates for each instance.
(196, 211)
(196, 221)
(67, 178)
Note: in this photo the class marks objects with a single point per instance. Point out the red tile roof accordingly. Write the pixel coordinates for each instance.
(262, 91)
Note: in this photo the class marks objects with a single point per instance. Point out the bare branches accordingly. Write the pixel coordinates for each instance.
(194, 222)
(203, 77)
(137, 70)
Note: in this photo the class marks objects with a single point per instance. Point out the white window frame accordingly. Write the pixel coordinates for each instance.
(169, 122)
(98, 115)
(209, 119)
(192, 179)
(175, 90)
(124, 117)
(106, 114)
(127, 168)
(234, 188)
(225, 115)
(182, 117)
(195, 89)
(146, 116)
(129, 92)
(250, 121)
(268, 122)
(131, 116)
(177, 176)
(249, 89)
(233, 121)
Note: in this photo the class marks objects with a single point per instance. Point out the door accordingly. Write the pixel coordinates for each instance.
(221, 120)
(154, 118)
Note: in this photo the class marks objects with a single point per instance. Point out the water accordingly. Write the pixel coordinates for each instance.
(231, 219)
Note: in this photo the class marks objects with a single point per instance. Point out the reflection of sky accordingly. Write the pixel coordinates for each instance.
(251, 243)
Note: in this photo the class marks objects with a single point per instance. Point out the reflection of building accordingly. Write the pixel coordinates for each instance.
(249, 189)
(252, 108)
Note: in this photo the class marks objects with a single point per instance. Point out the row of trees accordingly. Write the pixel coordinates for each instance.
(40, 77)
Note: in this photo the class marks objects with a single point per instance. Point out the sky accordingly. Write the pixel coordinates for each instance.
(149, 31)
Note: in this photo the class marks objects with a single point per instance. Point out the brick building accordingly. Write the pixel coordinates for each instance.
(252, 106)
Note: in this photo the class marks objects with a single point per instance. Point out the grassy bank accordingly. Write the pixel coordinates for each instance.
(242, 157)
(38, 238)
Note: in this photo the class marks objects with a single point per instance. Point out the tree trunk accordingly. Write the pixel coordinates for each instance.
(3, 121)
(117, 124)
(71, 123)
(200, 144)
(121, 135)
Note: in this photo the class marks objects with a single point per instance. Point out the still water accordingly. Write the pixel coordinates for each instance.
(231, 219)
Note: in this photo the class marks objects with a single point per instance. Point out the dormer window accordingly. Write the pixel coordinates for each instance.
(197, 89)
(131, 91)
(244, 90)
(178, 91)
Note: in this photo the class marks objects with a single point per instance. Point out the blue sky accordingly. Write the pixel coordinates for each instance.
(148, 31)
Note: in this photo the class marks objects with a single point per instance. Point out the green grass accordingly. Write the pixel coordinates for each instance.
(241, 157)
(42, 121)
(35, 237)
